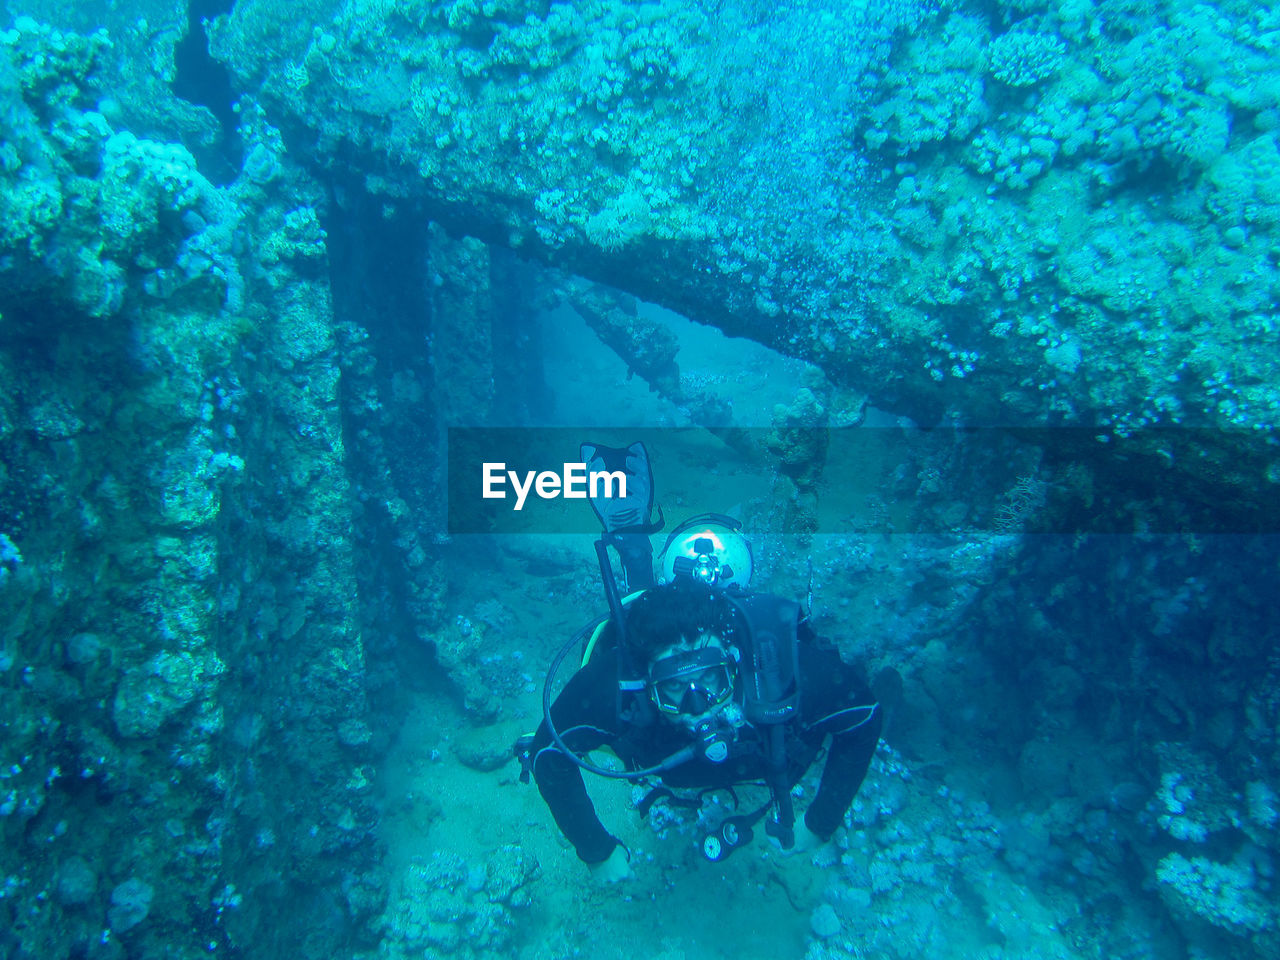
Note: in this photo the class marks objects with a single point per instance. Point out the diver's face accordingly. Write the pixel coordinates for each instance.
(692, 680)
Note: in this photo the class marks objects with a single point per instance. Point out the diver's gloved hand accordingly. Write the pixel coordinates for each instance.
(614, 869)
(806, 841)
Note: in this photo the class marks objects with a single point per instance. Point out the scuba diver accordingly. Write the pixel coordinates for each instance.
(696, 682)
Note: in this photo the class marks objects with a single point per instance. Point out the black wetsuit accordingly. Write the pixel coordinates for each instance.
(585, 715)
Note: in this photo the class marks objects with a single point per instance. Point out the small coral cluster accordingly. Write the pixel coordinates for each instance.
(449, 907)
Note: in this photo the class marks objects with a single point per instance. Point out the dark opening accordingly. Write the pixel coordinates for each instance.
(203, 81)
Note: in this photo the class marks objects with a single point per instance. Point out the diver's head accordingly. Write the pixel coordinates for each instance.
(684, 633)
(693, 679)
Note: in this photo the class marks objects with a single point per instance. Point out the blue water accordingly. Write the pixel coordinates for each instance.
(967, 313)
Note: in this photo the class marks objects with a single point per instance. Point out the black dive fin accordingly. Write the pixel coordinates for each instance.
(629, 514)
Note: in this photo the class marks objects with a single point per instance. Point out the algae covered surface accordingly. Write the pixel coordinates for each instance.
(968, 313)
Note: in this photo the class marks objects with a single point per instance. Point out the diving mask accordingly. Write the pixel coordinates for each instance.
(692, 682)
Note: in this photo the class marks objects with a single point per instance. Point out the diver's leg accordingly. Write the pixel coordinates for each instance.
(637, 559)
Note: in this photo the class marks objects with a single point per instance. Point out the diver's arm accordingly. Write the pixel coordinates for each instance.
(560, 783)
(839, 703)
(584, 717)
(847, 762)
